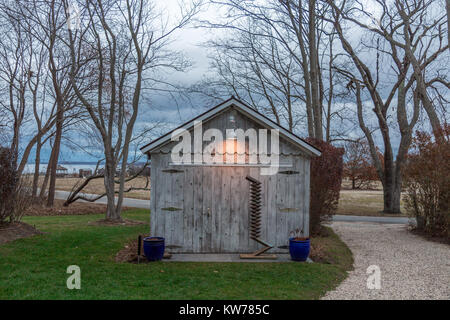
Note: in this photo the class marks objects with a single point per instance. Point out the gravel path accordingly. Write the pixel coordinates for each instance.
(411, 267)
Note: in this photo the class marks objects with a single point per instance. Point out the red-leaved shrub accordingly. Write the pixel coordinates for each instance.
(358, 167)
(326, 179)
(426, 179)
(15, 195)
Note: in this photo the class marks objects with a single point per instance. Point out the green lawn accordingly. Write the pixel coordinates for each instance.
(35, 268)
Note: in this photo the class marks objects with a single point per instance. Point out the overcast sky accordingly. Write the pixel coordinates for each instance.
(160, 107)
(157, 107)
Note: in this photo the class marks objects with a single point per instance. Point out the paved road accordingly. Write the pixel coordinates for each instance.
(389, 220)
(127, 202)
(145, 204)
(407, 266)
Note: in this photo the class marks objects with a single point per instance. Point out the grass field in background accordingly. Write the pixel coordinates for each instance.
(35, 268)
(363, 203)
(352, 202)
(96, 186)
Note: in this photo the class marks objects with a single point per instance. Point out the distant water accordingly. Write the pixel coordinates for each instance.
(71, 167)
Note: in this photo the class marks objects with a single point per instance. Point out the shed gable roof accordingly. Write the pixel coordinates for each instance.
(249, 112)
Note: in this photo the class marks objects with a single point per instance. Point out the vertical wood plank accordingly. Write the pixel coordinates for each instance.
(241, 210)
(167, 201)
(299, 193)
(294, 218)
(206, 209)
(271, 196)
(153, 187)
(188, 209)
(280, 203)
(161, 199)
(306, 196)
(216, 231)
(177, 201)
(225, 212)
(234, 211)
(198, 207)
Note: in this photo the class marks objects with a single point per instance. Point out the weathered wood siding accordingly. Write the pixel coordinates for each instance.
(206, 208)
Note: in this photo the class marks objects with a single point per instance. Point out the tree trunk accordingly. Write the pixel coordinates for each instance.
(313, 66)
(447, 7)
(421, 87)
(37, 163)
(55, 153)
(47, 175)
(299, 29)
(111, 212)
(330, 92)
(391, 195)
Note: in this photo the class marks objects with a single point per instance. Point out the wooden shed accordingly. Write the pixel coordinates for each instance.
(205, 207)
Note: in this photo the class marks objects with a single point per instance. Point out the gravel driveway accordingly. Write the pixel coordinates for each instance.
(410, 267)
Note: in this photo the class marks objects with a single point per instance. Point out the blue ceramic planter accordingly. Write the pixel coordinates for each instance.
(154, 248)
(299, 249)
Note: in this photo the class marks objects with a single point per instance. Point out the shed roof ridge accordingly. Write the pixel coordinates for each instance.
(239, 104)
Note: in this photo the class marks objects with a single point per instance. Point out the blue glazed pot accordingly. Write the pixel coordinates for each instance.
(154, 248)
(299, 249)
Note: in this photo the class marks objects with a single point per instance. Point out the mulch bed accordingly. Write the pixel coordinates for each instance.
(76, 208)
(318, 253)
(129, 252)
(16, 230)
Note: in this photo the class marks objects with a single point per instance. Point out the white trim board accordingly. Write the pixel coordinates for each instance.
(256, 165)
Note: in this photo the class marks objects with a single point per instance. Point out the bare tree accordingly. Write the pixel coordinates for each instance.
(422, 47)
(416, 28)
(405, 85)
(15, 67)
(256, 69)
(77, 191)
(447, 7)
(277, 55)
(45, 21)
(117, 46)
(22, 68)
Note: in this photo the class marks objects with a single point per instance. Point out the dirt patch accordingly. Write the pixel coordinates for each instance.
(16, 230)
(76, 208)
(319, 252)
(112, 223)
(129, 252)
(327, 248)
